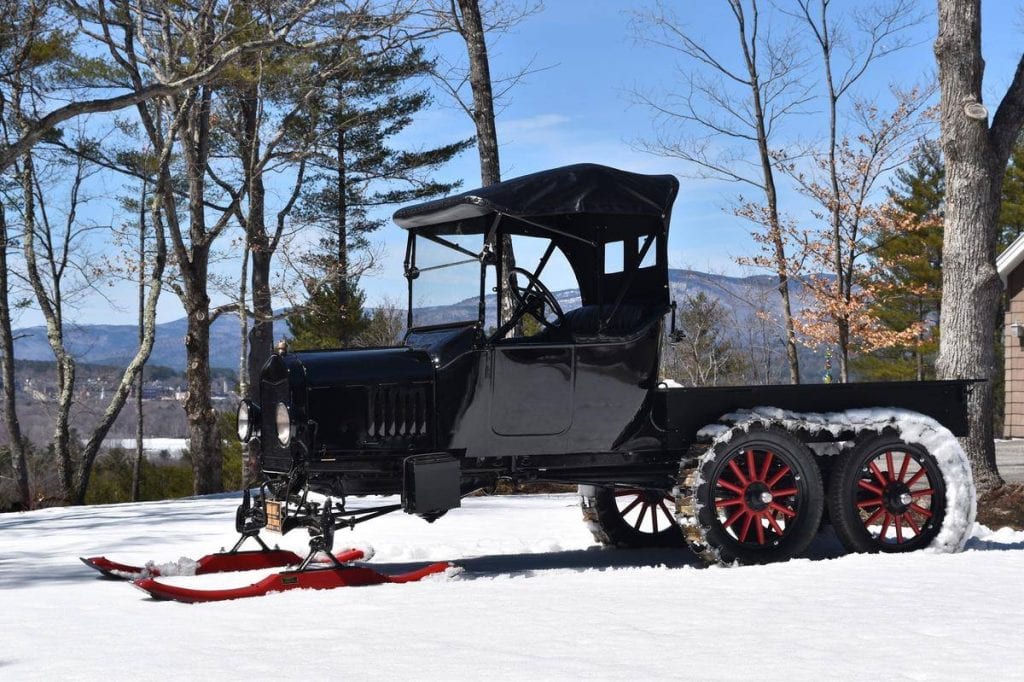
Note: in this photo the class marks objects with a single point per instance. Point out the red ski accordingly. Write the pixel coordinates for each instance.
(221, 562)
(312, 578)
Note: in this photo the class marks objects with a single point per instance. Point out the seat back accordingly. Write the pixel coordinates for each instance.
(582, 324)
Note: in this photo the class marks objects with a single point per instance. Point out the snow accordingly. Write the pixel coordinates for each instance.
(152, 447)
(534, 600)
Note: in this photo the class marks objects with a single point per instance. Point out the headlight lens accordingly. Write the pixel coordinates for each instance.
(247, 420)
(284, 424)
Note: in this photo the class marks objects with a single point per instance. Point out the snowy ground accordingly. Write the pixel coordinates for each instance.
(153, 447)
(535, 601)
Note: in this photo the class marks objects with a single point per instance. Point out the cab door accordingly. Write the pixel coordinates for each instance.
(532, 391)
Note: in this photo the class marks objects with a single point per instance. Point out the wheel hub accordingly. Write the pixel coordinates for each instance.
(758, 496)
(897, 497)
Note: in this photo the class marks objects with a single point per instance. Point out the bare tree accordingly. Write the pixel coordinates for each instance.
(387, 324)
(157, 41)
(706, 355)
(21, 80)
(472, 24)
(976, 154)
(879, 30)
(845, 183)
(741, 106)
(139, 418)
(53, 273)
(758, 333)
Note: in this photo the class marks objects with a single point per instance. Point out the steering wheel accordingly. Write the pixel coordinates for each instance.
(533, 298)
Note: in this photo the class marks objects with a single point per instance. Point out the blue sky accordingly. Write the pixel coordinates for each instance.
(578, 108)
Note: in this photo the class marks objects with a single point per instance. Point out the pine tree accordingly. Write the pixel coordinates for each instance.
(1011, 211)
(908, 283)
(354, 170)
(322, 323)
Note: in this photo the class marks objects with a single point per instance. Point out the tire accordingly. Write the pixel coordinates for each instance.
(756, 497)
(887, 495)
(630, 517)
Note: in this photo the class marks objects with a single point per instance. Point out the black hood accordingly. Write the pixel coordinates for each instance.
(361, 366)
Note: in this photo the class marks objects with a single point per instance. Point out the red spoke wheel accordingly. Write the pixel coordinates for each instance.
(759, 498)
(887, 496)
(631, 517)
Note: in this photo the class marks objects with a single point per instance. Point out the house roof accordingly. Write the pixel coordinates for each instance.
(1008, 260)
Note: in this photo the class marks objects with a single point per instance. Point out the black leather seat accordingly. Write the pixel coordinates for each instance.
(581, 324)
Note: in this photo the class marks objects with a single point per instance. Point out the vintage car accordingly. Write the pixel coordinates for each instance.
(742, 473)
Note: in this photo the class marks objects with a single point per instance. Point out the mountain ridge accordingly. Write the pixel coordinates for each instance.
(105, 344)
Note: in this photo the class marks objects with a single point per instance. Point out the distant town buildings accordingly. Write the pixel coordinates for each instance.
(43, 390)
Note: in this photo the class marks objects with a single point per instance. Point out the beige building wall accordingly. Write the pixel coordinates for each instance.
(1014, 355)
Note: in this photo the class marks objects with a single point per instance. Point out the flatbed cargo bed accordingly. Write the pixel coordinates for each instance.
(686, 410)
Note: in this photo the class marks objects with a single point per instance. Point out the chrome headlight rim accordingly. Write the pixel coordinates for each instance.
(247, 418)
(283, 421)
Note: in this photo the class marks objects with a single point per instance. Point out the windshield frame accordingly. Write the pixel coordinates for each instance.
(412, 272)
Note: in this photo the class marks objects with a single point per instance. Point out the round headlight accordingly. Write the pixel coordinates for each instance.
(247, 420)
(284, 424)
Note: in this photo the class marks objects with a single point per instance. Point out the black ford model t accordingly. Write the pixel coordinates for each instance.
(738, 473)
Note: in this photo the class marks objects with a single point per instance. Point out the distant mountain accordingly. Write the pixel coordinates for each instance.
(116, 344)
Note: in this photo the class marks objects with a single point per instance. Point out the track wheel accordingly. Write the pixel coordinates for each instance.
(630, 517)
(886, 495)
(755, 497)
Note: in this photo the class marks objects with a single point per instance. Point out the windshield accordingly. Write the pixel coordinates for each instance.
(445, 279)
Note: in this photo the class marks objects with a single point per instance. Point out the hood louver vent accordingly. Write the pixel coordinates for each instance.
(396, 412)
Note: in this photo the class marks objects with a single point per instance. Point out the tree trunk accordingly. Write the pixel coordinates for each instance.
(472, 30)
(247, 387)
(483, 99)
(131, 373)
(341, 201)
(778, 244)
(843, 288)
(16, 442)
(772, 201)
(139, 421)
(261, 337)
(204, 438)
(51, 306)
(244, 381)
(976, 158)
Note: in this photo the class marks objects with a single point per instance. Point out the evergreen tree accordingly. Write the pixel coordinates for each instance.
(1011, 211)
(353, 168)
(322, 323)
(908, 281)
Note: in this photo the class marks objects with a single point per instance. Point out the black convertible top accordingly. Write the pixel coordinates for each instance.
(585, 188)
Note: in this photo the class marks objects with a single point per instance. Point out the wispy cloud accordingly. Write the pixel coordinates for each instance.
(531, 124)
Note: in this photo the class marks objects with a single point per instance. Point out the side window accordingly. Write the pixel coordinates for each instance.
(557, 275)
(614, 257)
